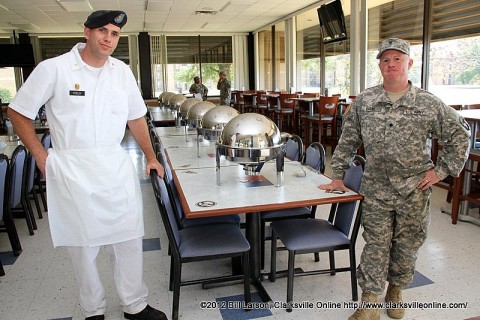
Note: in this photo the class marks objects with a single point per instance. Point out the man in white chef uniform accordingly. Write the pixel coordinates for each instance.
(94, 196)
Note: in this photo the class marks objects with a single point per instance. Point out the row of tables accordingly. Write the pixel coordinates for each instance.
(194, 174)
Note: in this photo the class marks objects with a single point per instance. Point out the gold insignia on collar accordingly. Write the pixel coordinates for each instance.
(77, 86)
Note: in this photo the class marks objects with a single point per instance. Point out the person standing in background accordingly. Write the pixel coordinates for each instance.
(198, 89)
(225, 88)
(94, 196)
(395, 121)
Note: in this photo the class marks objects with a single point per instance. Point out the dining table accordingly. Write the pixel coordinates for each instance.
(162, 117)
(241, 192)
(311, 103)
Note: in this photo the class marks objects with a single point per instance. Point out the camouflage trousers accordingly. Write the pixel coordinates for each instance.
(394, 230)
(225, 102)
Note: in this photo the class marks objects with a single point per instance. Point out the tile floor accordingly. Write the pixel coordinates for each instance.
(40, 284)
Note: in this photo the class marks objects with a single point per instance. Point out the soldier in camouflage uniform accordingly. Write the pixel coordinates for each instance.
(224, 86)
(198, 87)
(394, 121)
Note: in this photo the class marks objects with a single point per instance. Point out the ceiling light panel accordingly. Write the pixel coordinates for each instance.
(75, 5)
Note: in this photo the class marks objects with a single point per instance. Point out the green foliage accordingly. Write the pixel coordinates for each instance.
(5, 95)
(209, 72)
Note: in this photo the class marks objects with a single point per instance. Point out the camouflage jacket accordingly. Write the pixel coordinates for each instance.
(396, 137)
(199, 88)
(224, 88)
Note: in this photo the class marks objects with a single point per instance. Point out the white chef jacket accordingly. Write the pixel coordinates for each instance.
(93, 193)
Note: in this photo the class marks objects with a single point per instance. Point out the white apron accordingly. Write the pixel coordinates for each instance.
(94, 197)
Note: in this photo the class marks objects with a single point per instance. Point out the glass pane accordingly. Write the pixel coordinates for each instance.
(8, 87)
(186, 49)
(280, 67)
(394, 19)
(455, 51)
(308, 52)
(53, 47)
(455, 70)
(265, 59)
(337, 68)
(180, 76)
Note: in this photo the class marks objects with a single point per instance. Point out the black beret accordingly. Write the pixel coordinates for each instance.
(101, 18)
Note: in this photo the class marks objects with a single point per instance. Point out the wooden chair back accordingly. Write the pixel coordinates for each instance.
(327, 106)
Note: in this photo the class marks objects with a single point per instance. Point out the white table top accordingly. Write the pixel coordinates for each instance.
(186, 158)
(179, 142)
(174, 131)
(162, 114)
(201, 196)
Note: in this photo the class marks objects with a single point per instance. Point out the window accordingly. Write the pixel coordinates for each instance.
(265, 59)
(53, 47)
(455, 52)
(8, 87)
(190, 56)
(395, 19)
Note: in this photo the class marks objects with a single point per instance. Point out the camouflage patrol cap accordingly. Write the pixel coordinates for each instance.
(101, 18)
(394, 44)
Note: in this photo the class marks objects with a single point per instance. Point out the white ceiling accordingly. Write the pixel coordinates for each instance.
(166, 16)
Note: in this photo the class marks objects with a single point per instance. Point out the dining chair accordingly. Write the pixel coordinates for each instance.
(286, 112)
(233, 98)
(17, 202)
(239, 102)
(272, 104)
(40, 183)
(182, 221)
(248, 101)
(262, 102)
(315, 159)
(199, 243)
(7, 224)
(29, 190)
(294, 148)
(325, 121)
(338, 232)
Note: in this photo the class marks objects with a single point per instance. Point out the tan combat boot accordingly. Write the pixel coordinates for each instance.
(366, 313)
(394, 294)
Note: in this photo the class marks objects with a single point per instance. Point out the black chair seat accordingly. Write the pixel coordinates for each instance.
(338, 232)
(212, 240)
(290, 213)
(309, 235)
(233, 219)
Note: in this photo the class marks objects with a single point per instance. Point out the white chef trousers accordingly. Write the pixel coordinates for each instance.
(127, 264)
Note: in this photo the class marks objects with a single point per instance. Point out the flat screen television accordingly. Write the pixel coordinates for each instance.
(332, 22)
(16, 55)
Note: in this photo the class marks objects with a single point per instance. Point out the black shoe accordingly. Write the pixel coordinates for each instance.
(148, 313)
(97, 317)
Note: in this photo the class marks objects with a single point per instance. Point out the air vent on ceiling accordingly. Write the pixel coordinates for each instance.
(205, 12)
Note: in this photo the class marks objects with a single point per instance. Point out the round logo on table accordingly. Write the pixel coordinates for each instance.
(206, 204)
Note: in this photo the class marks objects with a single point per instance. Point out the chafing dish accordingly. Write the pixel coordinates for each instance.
(164, 97)
(212, 123)
(175, 101)
(183, 110)
(214, 120)
(196, 112)
(251, 139)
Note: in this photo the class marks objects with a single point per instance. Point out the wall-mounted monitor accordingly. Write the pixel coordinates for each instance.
(16, 55)
(332, 22)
